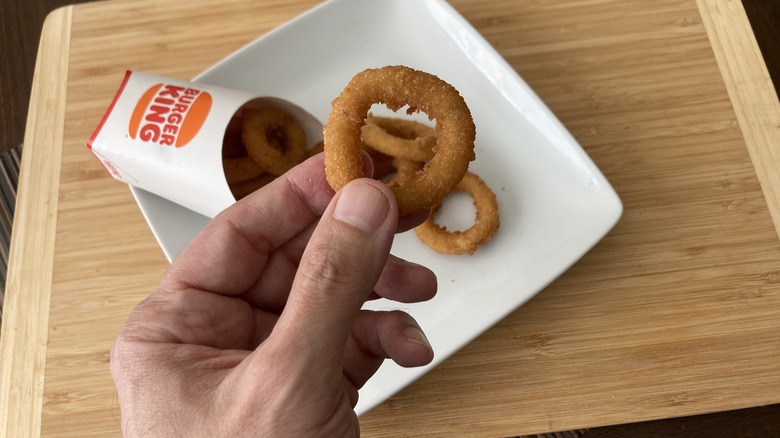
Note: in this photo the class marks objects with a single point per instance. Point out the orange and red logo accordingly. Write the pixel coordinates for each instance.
(169, 115)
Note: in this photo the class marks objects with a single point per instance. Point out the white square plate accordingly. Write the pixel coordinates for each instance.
(554, 203)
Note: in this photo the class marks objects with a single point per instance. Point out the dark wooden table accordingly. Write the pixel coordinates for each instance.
(19, 33)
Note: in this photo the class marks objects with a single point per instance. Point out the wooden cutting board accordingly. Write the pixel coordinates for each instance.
(675, 312)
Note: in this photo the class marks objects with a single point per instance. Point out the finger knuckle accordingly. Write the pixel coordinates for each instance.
(334, 266)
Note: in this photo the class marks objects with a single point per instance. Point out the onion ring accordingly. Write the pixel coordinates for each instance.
(244, 188)
(232, 145)
(485, 225)
(383, 163)
(273, 139)
(399, 137)
(405, 171)
(240, 169)
(397, 86)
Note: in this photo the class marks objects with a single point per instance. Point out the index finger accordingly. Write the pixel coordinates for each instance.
(231, 252)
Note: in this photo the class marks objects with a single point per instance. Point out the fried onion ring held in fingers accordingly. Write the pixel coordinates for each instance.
(405, 171)
(273, 139)
(383, 163)
(486, 222)
(397, 86)
(399, 137)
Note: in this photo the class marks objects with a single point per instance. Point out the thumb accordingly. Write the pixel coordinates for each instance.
(339, 269)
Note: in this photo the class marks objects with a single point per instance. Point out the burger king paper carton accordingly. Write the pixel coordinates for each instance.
(165, 136)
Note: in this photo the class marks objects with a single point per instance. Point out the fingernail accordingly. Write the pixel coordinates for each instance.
(362, 206)
(414, 334)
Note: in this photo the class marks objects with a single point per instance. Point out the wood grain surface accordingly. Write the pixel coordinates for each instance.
(749, 85)
(29, 281)
(676, 312)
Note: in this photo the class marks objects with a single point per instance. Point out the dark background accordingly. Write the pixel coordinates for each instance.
(20, 30)
(19, 33)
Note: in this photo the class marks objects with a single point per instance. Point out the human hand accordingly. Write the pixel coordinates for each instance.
(256, 327)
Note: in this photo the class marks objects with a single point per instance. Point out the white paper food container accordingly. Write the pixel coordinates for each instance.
(165, 136)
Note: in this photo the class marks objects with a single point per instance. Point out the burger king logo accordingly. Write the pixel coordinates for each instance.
(169, 115)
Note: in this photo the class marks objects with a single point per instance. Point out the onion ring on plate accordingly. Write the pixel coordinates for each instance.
(273, 139)
(399, 137)
(397, 86)
(486, 222)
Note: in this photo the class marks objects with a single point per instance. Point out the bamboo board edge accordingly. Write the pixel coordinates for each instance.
(750, 89)
(23, 338)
